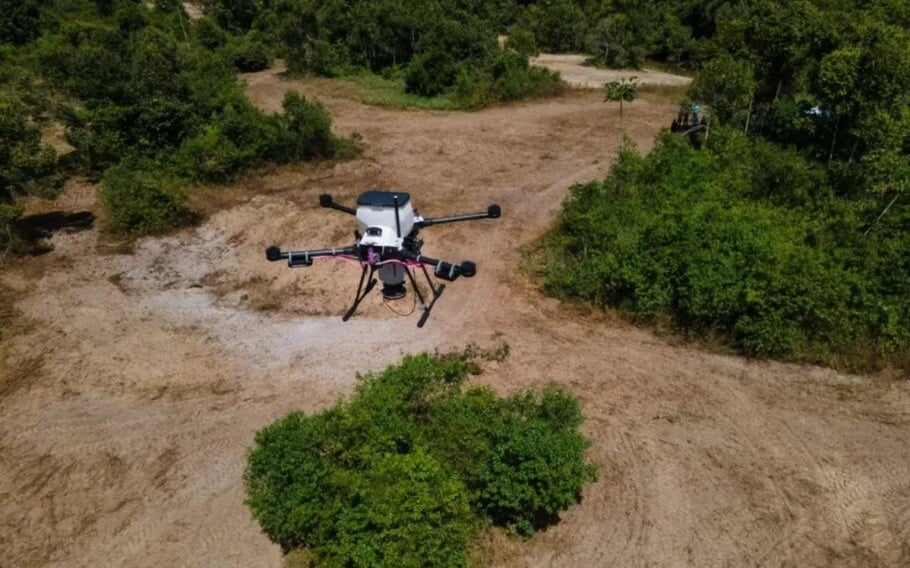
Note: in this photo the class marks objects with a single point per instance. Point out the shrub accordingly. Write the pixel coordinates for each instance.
(27, 167)
(97, 136)
(209, 34)
(309, 129)
(430, 73)
(558, 25)
(249, 53)
(211, 156)
(523, 42)
(141, 198)
(20, 21)
(406, 471)
(508, 77)
(446, 47)
(321, 57)
(536, 467)
(9, 214)
(405, 510)
(237, 138)
(741, 240)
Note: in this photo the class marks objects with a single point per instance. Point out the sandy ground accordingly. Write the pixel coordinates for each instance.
(578, 75)
(128, 406)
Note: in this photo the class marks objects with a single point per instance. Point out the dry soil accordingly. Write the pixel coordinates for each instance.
(129, 403)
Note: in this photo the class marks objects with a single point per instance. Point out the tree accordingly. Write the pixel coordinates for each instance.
(523, 42)
(726, 84)
(613, 42)
(623, 90)
(558, 25)
(20, 21)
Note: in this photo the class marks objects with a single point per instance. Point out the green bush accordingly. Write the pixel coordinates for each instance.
(309, 129)
(509, 77)
(211, 156)
(741, 240)
(238, 137)
(558, 25)
(523, 42)
(27, 167)
(405, 510)
(430, 73)
(209, 34)
(9, 214)
(409, 468)
(249, 53)
(537, 464)
(20, 21)
(141, 198)
(321, 57)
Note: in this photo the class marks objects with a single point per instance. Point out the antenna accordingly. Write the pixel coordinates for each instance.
(397, 220)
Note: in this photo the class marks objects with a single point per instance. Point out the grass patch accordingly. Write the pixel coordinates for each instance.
(376, 90)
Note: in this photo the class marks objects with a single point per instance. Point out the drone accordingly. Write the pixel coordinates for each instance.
(387, 241)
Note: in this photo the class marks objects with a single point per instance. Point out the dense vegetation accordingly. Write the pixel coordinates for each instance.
(150, 101)
(409, 468)
(148, 105)
(787, 235)
(434, 47)
(745, 239)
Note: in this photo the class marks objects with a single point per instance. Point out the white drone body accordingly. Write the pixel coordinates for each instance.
(385, 219)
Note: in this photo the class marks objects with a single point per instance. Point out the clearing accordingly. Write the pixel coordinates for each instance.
(128, 404)
(576, 73)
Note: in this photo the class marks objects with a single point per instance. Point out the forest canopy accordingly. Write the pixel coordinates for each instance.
(147, 107)
(142, 89)
(744, 241)
(788, 234)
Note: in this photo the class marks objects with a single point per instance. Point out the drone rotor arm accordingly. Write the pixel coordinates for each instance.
(325, 200)
(302, 258)
(492, 212)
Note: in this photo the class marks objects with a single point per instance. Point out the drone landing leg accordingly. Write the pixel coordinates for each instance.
(359, 297)
(436, 293)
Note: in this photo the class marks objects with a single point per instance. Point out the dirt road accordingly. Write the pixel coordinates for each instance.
(573, 71)
(127, 409)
